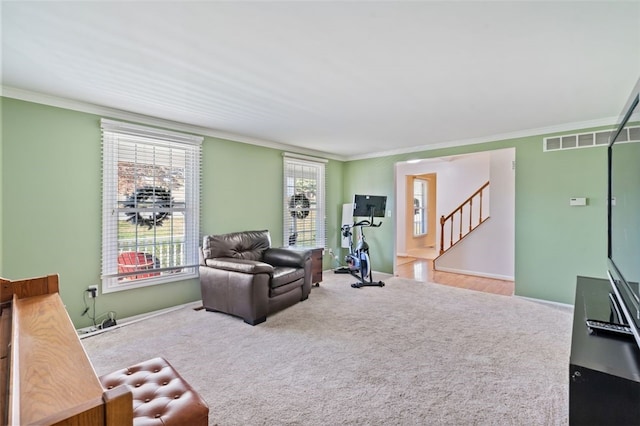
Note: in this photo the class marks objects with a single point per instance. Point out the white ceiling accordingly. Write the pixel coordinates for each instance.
(352, 79)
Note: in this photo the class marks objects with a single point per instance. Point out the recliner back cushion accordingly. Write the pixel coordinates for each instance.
(240, 245)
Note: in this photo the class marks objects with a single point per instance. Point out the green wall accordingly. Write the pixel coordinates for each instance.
(554, 242)
(51, 197)
(242, 189)
(50, 193)
(1, 186)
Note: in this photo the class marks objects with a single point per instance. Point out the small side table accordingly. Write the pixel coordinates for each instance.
(316, 266)
(316, 263)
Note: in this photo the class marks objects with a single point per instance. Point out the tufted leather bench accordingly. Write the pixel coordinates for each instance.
(160, 395)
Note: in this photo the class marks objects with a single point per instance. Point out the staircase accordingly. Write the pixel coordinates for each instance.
(462, 220)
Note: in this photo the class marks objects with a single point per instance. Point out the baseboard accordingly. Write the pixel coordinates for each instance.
(546, 302)
(92, 331)
(476, 274)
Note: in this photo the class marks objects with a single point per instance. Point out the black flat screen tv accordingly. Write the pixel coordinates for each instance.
(369, 205)
(623, 265)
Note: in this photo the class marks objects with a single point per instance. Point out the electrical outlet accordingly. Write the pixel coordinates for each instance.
(332, 254)
(93, 291)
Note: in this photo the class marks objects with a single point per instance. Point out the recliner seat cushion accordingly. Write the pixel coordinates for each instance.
(286, 288)
(240, 265)
(284, 275)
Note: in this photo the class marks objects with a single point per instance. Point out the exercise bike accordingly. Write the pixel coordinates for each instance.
(358, 261)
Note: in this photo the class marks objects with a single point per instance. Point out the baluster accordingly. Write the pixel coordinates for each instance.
(460, 224)
(460, 209)
(451, 234)
(442, 221)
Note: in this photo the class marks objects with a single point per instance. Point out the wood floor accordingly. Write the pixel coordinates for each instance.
(419, 266)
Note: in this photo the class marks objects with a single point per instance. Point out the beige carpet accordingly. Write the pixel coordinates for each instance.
(409, 353)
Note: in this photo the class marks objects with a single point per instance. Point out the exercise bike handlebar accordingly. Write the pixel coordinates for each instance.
(367, 222)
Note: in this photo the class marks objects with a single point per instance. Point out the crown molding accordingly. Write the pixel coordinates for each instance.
(86, 107)
(55, 101)
(567, 127)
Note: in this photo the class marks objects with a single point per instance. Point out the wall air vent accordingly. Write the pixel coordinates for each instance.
(587, 140)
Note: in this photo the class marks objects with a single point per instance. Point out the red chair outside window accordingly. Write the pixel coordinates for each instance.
(132, 261)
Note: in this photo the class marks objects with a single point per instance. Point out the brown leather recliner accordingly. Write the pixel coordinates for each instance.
(242, 275)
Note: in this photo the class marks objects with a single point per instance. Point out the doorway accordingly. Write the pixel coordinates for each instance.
(488, 253)
(420, 215)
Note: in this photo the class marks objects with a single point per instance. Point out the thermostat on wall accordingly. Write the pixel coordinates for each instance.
(577, 201)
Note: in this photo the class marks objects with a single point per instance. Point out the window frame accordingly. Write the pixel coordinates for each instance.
(421, 223)
(320, 225)
(115, 136)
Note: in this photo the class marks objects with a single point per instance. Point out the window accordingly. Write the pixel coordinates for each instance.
(150, 202)
(304, 207)
(419, 204)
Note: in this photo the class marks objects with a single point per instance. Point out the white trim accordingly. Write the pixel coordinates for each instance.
(304, 157)
(148, 282)
(25, 95)
(545, 302)
(151, 132)
(492, 138)
(114, 135)
(290, 170)
(86, 107)
(477, 274)
(92, 331)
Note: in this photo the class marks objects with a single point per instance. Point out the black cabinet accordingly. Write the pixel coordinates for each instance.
(604, 369)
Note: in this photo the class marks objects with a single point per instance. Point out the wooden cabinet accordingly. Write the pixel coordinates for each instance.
(316, 266)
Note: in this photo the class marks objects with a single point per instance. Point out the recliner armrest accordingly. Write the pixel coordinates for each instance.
(286, 257)
(244, 266)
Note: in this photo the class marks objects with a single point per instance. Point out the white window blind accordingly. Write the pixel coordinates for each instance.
(304, 202)
(151, 205)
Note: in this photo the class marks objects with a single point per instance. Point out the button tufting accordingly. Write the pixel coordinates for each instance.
(149, 376)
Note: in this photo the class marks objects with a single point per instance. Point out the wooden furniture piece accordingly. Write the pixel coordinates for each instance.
(46, 376)
(316, 266)
(604, 369)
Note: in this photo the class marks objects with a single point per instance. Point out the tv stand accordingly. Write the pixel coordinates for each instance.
(604, 368)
